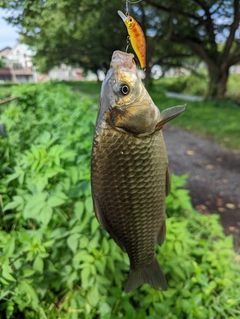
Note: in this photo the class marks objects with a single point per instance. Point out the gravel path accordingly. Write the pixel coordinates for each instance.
(214, 175)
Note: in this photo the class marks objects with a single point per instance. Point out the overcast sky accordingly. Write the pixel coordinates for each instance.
(8, 34)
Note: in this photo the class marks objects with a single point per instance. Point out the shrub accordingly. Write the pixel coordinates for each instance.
(55, 259)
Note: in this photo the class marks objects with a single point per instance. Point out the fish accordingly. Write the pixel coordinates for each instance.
(136, 37)
(130, 177)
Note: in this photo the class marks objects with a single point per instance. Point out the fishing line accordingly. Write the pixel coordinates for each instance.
(127, 13)
(131, 2)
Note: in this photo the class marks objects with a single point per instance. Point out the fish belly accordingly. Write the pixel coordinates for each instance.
(129, 185)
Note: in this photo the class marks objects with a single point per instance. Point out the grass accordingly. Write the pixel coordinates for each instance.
(89, 87)
(214, 120)
(210, 119)
(233, 89)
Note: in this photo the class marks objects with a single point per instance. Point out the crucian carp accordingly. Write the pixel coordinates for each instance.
(129, 169)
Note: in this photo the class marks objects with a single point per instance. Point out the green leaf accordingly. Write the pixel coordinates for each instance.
(105, 245)
(130, 311)
(41, 183)
(105, 309)
(49, 243)
(7, 275)
(93, 296)
(4, 237)
(9, 309)
(83, 242)
(11, 205)
(25, 288)
(9, 247)
(85, 274)
(28, 272)
(72, 242)
(94, 225)
(78, 210)
(57, 199)
(38, 264)
(46, 214)
(100, 266)
(34, 205)
(89, 204)
(4, 282)
(178, 247)
(161, 309)
(60, 232)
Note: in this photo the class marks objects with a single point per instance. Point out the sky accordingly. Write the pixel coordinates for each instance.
(8, 33)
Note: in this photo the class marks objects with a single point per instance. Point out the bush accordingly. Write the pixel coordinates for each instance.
(187, 84)
(55, 259)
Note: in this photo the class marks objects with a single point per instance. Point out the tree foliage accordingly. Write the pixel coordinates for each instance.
(210, 29)
(2, 63)
(87, 32)
(74, 32)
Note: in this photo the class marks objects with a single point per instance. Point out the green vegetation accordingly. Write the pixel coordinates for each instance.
(85, 33)
(5, 90)
(211, 119)
(194, 84)
(187, 84)
(55, 259)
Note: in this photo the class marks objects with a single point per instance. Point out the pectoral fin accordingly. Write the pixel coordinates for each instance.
(169, 114)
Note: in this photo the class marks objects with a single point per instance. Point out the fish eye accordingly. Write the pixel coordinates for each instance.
(130, 19)
(125, 89)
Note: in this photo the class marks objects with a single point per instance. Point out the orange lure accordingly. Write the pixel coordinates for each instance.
(136, 37)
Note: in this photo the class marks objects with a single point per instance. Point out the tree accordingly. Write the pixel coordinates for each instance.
(159, 50)
(76, 32)
(86, 33)
(210, 28)
(2, 63)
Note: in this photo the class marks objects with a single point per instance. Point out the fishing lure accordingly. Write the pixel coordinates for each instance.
(136, 37)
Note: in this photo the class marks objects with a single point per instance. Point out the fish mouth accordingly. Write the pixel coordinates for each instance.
(123, 60)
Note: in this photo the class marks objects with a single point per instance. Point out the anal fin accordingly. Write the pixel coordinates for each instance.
(168, 181)
(162, 234)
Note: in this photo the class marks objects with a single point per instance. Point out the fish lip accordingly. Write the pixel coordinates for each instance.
(122, 15)
(123, 60)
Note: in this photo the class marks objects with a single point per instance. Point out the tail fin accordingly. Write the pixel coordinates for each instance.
(151, 274)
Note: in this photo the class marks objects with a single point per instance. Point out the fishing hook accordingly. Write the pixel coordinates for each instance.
(128, 43)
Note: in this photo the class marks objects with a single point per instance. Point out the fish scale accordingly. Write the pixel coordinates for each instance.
(135, 203)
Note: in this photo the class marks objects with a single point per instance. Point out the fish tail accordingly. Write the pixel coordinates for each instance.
(152, 274)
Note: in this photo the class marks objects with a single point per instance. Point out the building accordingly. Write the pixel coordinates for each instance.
(18, 62)
(5, 75)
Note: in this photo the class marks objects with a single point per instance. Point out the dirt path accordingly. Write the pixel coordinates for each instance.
(214, 175)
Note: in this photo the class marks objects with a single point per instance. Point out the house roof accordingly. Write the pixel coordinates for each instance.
(6, 48)
(5, 71)
(22, 72)
(5, 51)
(8, 71)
